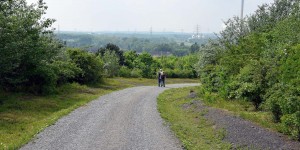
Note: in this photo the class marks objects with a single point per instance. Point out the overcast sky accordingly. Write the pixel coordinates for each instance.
(141, 15)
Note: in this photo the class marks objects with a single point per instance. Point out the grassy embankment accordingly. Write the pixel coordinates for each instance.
(24, 115)
(241, 108)
(190, 126)
(193, 129)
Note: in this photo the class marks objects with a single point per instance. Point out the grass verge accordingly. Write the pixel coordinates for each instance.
(22, 115)
(189, 125)
(241, 108)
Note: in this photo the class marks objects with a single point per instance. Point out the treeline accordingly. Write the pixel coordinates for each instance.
(257, 59)
(156, 44)
(144, 65)
(33, 60)
(147, 66)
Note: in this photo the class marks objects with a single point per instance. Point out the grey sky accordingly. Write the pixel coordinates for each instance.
(140, 15)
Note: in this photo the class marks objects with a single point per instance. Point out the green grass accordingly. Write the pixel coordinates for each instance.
(22, 116)
(189, 125)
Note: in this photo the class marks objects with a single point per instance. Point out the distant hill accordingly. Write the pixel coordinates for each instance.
(156, 43)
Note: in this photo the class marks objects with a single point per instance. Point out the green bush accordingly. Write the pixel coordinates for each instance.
(136, 73)
(291, 124)
(28, 47)
(178, 67)
(251, 78)
(65, 70)
(209, 78)
(178, 73)
(259, 62)
(91, 66)
(111, 63)
(146, 64)
(125, 72)
(272, 103)
(42, 79)
(232, 89)
(284, 103)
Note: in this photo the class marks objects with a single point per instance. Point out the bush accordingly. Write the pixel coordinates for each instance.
(232, 89)
(91, 66)
(65, 70)
(208, 77)
(248, 84)
(283, 99)
(125, 72)
(42, 80)
(146, 64)
(136, 73)
(291, 124)
(259, 62)
(178, 73)
(27, 46)
(284, 103)
(111, 63)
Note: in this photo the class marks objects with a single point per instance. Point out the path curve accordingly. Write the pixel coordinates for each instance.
(126, 119)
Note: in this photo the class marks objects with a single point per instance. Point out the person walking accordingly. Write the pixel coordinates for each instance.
(159, 77)
(163, 77)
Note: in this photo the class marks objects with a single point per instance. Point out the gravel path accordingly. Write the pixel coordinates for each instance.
(123, 120)
(245, 134)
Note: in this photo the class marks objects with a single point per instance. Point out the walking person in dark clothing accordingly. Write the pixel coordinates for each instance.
(159, 77)
(163, 77)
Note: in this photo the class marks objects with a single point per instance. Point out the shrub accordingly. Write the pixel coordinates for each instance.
(249, 83)
(65, 70)
(208, 77)
(125, 72)
(136, 73)
(231, 89)
(284, 102)
(27, 47)
(291, 124)
(91, 66)
(111, 63)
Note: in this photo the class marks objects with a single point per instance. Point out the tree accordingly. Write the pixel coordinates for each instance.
(111, 63)
(267, 16)
(256, 60)
(27, 46)
(145, 63)
(130, 56)
(163, 48)
(234, 31)
(113, 48)
(194, 48)
(91, 66)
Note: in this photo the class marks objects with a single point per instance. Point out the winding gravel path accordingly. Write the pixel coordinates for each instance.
(127, 120)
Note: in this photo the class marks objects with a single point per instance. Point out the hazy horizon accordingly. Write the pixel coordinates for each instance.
(145, 15)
